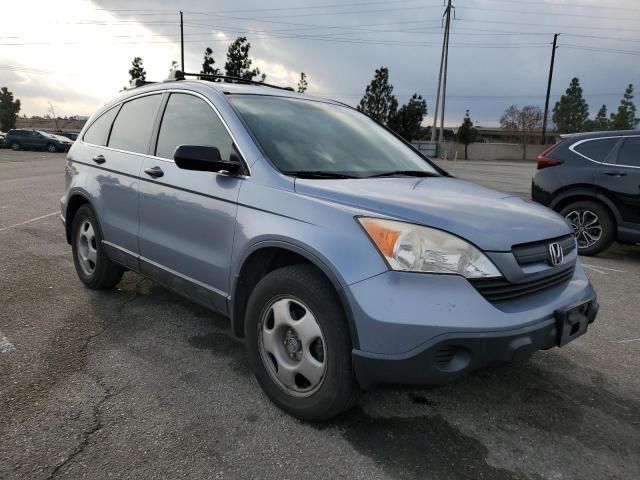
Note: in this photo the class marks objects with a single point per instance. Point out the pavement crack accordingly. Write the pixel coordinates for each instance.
(96, 426)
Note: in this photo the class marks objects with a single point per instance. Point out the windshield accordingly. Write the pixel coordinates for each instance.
(309, 136)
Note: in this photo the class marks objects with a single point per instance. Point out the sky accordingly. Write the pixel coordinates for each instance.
(75, 54)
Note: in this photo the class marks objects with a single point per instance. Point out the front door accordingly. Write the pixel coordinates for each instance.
(187, 218)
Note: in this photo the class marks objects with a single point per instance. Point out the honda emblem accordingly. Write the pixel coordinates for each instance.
(556, 255)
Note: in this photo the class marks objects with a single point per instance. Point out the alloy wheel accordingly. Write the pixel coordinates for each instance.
(86, 248)
(292, 347)
(51, 148)
(586, 227)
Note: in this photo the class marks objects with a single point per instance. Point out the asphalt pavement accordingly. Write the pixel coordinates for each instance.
(139, 383)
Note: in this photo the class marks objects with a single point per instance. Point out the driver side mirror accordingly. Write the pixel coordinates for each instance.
(204, 159)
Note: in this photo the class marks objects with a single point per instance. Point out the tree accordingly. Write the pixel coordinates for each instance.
(525, 121)
(9, 109)
(137, 70)
(625, 117)
(407, 120)
(208, 62)
(238, 63)
(600, 123)
(378, 101)
(467, 134)
(302, 83)
(52, 112)
(572, 111)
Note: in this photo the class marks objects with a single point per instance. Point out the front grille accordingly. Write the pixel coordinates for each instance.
(499, 289)
(537, 252)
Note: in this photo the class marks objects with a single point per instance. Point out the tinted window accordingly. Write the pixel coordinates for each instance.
(134, 123)
(302, 135)
(189, 120)
(597, 149)
(630, 152)
(98, 132)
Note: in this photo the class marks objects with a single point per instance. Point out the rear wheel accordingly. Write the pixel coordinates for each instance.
(93, 266)
(298, 343)
(15, 146)
(592, 225)
(51, 148)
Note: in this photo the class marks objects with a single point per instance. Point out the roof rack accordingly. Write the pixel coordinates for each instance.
(138, 82)
(180, 75)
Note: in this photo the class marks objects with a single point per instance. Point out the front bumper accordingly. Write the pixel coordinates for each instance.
(450, 356)
(425, 329)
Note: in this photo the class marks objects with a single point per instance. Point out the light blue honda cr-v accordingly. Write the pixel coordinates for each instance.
(342, 256)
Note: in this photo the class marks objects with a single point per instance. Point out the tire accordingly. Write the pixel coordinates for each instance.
(301, 287)
(51, 148)
(588, 218)
(87, 244)
(15, 146)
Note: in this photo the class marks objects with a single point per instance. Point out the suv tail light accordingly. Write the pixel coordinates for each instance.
(543, 159)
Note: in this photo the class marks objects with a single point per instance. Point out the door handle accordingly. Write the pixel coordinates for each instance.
(615, 173)
(154, 172)
(99, 159)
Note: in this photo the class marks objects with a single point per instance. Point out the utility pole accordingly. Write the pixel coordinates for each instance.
(546, 102)
(442, 75)
(181, 42)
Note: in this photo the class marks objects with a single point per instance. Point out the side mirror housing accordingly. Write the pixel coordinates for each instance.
(204, 159)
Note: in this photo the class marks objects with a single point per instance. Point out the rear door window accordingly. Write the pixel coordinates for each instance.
(133, 126)
(98, 132)
(630, 152)
(189, 120)
(598, 149)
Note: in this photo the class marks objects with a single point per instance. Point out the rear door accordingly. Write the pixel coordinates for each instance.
(118, 164)
(622, 178)
(187, 218)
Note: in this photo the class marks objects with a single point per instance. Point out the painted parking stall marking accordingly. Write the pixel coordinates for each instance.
(602, 270)
(2, 229)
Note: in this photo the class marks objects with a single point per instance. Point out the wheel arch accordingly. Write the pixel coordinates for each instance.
(76, 200)
(266, 256)
(586, 193)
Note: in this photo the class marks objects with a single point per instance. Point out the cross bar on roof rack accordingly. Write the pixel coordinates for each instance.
(179, 75)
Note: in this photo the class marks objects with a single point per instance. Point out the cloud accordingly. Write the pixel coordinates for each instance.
(499, 50)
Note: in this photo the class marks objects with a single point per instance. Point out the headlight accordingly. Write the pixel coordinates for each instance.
(422, 249)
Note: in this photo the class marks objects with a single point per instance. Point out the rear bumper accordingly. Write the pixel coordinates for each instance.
(449, 356)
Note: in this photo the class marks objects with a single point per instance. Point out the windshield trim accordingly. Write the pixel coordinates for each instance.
(336, 103)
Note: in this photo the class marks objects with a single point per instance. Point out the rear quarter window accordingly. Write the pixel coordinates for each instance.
(598, 149)
(630, 152)
(98, 131)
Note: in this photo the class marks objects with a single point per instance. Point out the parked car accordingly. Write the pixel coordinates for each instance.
(341, 255)
(593, 180)
(29, 139)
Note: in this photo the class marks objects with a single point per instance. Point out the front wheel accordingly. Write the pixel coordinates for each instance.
(298, 343)
(93, 266)
(51, 148)
(592, 225)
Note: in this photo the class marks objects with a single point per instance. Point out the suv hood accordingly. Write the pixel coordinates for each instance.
(492, 220)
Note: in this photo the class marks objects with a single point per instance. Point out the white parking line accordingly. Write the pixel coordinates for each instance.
(602, 270)
(5, 345)
(29, 221)
(627, 341)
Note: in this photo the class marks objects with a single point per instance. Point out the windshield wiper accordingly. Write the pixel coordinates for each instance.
(316, 174)
(405, 173)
